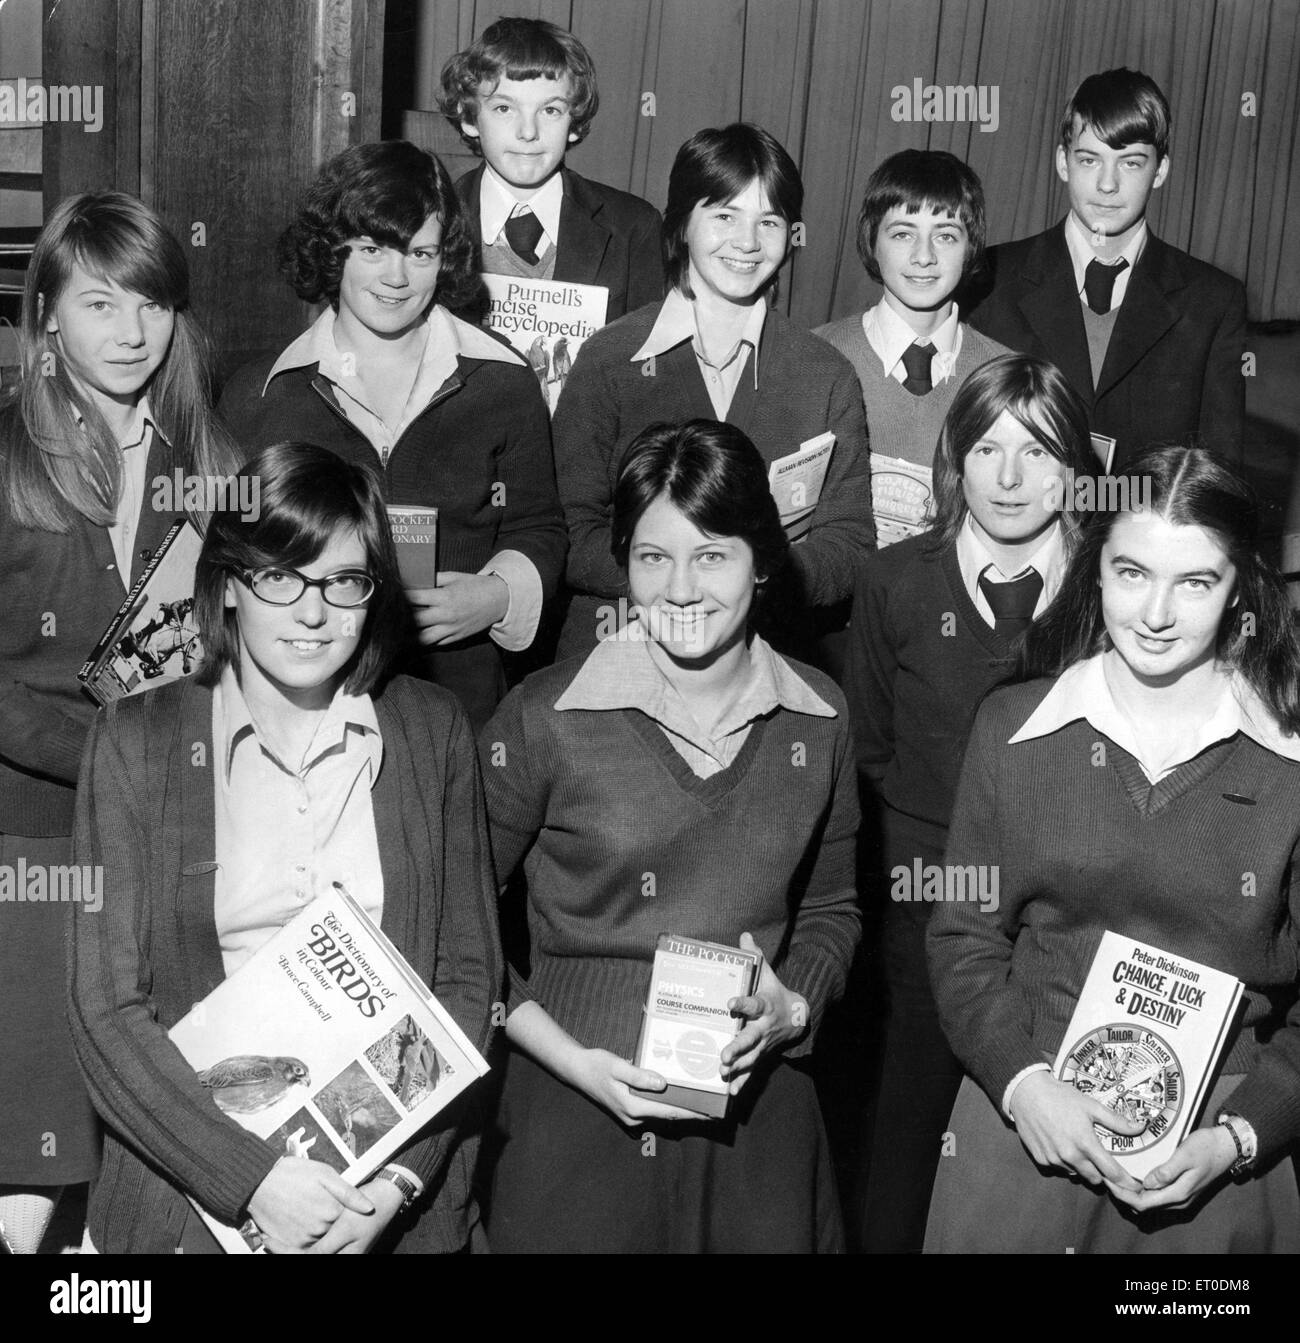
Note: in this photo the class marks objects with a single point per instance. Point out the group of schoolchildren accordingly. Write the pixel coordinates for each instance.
(740, 738)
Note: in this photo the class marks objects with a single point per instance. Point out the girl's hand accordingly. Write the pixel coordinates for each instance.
(775, 1018)
(299, 1201)
(354, 1232)
(1200, 1159)
(608, 1080)
(1055, 1125)
(461, 605)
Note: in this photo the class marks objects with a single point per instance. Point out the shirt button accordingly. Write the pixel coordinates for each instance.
(300, 867)
(145, 553)
(302, 807)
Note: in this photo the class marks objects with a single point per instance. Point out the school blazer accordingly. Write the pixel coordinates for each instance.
(607, 237)
(1173, 365)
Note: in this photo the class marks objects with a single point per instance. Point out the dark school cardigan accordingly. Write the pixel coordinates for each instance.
(145, 812)
(804, 388)
(1075, 856)
(58, 593)
(920, 660)
(624, 842)
(480, 451)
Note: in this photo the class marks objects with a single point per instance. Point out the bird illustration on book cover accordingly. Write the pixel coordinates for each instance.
(246, 1084)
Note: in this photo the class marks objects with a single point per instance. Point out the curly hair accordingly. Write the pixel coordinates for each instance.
(518, 49)
(385, 190)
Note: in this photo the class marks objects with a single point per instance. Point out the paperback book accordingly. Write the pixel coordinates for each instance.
(547, 321)
(687, 1021)
(415, 537)
(153, 638)
(796, 482)
(902, 498)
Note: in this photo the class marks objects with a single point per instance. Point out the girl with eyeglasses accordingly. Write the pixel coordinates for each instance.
(218, 807)
(113, 395)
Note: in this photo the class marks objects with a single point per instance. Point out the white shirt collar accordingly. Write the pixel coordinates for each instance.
(974, 557)
(1082, 691)
(889, 335)
(235, 724)
(447, 338)
(496, 203)
(1082, 252)
(676, 323)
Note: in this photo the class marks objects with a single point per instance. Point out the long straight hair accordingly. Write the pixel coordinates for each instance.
(1189, 487)
(1038, 397)
(66, 462)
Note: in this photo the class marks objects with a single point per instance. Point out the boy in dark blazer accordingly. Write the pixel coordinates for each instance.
(1150, 337)
(519, 96)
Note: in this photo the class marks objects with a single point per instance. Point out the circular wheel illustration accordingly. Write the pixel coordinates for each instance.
(697, 1053)
(1134, 1073)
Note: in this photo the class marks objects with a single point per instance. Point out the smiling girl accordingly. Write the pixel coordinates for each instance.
(113, 394)
(1149, 788)
(937, 622)
(445, 414)
(682, 778)
(714, 348)
(217, 808)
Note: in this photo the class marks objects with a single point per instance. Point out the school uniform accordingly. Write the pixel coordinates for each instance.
(903, 422)
(1161, 363)
(924, 649)
(593, 234)
(780, 385)
(473, 440)
(59, 591)
(1087, 837)
(391, 800)
(596, 771)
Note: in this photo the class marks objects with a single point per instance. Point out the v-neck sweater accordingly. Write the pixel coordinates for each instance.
(1198, 864)
(921, 658)
(624, 842)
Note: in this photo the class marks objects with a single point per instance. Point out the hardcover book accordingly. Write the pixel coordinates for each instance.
(327, 1045)
(547, 321)
(1144, 1040)
(687, 1022)
(796, 482)
(153, 638)
(415, 537)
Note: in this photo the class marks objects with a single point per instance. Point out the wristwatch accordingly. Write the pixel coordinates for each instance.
(404, 1184)
(1243, 1136)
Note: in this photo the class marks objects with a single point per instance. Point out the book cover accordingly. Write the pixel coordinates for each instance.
(153, 638)
(547, 321)
(796, 482)
(902, 498)
(1144, 1041)
(326, 1044)
(415, 537)
(687, 1023)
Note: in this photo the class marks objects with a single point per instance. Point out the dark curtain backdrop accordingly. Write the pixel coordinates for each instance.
(818, 74)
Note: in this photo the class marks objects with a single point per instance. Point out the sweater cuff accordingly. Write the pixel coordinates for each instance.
(63, 749)
(518, 990)
(809, 972)
(1269, 1111)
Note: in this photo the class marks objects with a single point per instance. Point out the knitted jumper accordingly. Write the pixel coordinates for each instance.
(624, 842)
(900, 424)
(920, 660)
(1192, 870)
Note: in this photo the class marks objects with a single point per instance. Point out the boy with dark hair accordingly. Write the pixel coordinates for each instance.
(921, 235)
(520, 96)
(1149, 336)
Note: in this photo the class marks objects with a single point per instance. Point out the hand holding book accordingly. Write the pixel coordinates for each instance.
(1056, 1125)
(775, 1017)
(460, 606)
(1202, 1157)
(299, 1201)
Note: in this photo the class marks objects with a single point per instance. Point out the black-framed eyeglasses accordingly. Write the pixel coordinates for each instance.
(279, 586)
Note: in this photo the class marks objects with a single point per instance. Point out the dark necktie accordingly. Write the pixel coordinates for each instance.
(1098, 284)
(1013, 603)
(522, 233)
(916, 360)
